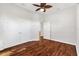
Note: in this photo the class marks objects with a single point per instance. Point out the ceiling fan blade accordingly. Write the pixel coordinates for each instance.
(36, 5)
(48, 6)
(44, 10)
(38, 9)
(42, 4)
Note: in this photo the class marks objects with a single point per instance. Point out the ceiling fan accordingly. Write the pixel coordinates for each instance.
(42, 7)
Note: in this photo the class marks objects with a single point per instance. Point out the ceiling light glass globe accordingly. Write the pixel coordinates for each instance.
(42, 10)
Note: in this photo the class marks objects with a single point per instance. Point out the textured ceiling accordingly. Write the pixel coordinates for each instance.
(56, 6)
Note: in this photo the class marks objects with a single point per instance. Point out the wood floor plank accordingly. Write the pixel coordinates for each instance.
(42, 48)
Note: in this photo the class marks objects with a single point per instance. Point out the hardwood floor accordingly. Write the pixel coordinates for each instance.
(41, 48)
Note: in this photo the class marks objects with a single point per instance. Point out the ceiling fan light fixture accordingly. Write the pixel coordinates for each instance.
(41, 9)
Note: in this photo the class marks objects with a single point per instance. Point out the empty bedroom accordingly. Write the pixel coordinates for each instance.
(39, 29)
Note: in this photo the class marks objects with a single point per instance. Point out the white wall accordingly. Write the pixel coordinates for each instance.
(63, 25)
(77, 30)
(16, 26)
